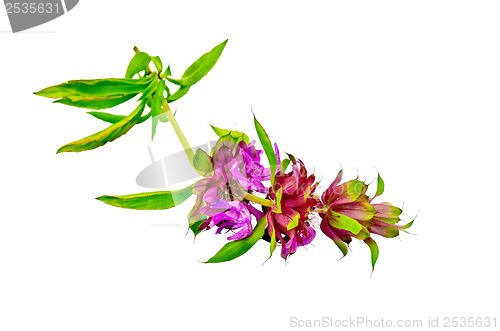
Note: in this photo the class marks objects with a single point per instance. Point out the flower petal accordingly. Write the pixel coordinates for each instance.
(347, 192)
(384, 229)
(330, 234)
(386, 210)
(361, 211)
(329, 191)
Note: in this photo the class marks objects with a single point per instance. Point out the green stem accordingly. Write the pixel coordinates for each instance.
(260, 201)
(171, 118)
(182, 138)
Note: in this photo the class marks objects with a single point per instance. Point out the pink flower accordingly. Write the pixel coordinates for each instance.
(289, 220)
(220, 196)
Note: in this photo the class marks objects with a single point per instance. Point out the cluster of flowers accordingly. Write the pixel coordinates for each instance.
(226, 200)
(237, 194)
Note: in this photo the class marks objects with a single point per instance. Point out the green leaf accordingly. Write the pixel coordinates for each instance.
(195, 226)
(112, 118)
(157, 111)
(235, 134)
(341, 245)
(181, 91)
(268, 148)
(294, 223)
(274, 243)
(200, 67)
(202, 162)
(407, 225)
(149, 90)
(149, 200)
(109, 134)
(234, 249)
(167, 72)
(97, 103)
(139, 62)
(284, 165)
(277, 207)
(157, 63)
(380, 186)
(95, 88)
(373, 249)
(343, 222)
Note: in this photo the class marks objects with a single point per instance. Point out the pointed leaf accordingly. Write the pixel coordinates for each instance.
(149, 90)
(284, 165)
(157, 112)
(195, 227)
(294, 223)
(268, 147)
(112, 118)
(167, 72)
(87, 89)
(157, 63)
(373, 249)
(406, 226)
(277, 206)
(149, 200)
(139, 62)
(235, 134)
(202, 162)
(380, 186)
(274, 243)
(343, 222)
(234, 249)
(97, 103)
(200, 67)
(109, 134)
(178, 94)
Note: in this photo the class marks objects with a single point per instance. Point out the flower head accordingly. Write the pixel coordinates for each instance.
(347, 212)
(220, 196)
(344, 209)
(289, 220)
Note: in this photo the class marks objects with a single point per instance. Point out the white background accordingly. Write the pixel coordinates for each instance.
(408, 87)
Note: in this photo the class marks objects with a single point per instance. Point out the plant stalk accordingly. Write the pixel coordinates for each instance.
(182, 138)
(259, 200)
(171, 118)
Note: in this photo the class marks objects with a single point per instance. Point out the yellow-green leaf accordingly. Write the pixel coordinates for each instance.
(200, 67)
(234, 249)
(149, 200)
(181, 91)
(373, 250)
(344, 222)
(202, 162)
(109, 134)
(97, 103)
(112, 118)
(139, 62)
(235, 134)
(268, 147)
(157, 112)
(96, 88)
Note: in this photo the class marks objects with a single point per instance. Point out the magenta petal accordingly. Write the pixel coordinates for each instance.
(246, 231)
(277, 152)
